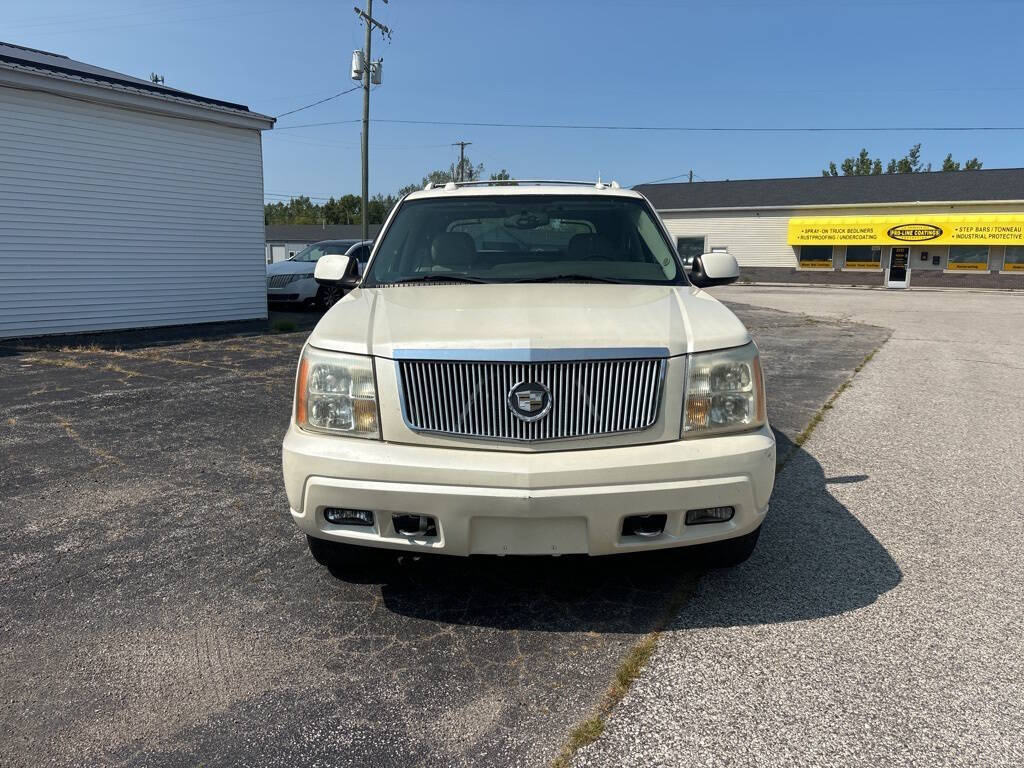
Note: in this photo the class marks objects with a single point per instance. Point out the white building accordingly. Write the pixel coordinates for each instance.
(956, 228)
(123, 203)
(285, 240)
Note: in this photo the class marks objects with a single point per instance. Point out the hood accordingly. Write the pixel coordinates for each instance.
(379, 321)
(290, 268)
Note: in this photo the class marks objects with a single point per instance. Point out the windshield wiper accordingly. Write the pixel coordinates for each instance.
(568, 277)
(436, 279)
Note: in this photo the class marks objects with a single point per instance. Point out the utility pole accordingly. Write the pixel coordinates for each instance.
(368, 67)
(462, 158)
(691, 177)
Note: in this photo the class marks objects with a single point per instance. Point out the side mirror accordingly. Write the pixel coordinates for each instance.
(714, 269)
(336, 269)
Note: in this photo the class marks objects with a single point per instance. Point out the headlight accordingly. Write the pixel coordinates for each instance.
(724, 392)
(301, 276)
(336, 393)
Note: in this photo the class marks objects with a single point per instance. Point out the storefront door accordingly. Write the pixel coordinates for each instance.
(898, 273)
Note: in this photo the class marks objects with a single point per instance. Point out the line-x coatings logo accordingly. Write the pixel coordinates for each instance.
(915, 233)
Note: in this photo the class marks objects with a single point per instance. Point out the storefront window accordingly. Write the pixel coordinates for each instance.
(863, 256)
(816, 257)
(968, 257)
(1014, 259)
(689, 248)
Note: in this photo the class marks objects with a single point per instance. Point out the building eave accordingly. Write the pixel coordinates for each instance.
(25, 77)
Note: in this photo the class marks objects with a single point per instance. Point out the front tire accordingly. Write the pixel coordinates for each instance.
(327, 296)
(731, 552)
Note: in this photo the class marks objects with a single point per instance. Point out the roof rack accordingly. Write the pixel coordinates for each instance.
(520, 182)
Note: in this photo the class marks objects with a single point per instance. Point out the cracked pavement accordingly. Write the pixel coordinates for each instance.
(158, 606)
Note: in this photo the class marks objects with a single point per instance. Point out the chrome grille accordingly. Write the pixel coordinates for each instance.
(589, 397)
(278, 281)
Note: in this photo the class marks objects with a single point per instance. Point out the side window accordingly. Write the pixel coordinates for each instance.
(689, 248)
(362, 256)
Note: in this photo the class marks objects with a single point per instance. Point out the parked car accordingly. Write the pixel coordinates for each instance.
(528, 370)
(330, 292)
(292, 280)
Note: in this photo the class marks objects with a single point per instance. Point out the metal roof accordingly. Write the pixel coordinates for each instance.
(314, 233)
(62, 65)
(937, 186)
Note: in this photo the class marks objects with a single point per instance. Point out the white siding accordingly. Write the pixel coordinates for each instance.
(755, 241)
(113, 218)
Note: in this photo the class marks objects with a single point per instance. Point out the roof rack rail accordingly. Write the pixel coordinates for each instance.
(520, 182)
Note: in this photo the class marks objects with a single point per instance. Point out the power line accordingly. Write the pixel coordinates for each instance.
(690, 174)
(680, 128)
(317, 103)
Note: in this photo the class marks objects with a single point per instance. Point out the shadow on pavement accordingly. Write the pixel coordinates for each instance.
(814, 559)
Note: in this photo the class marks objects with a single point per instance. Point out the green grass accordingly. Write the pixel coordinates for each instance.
(632, 665)
(284, 326)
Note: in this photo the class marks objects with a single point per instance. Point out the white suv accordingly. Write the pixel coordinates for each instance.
(527, 370)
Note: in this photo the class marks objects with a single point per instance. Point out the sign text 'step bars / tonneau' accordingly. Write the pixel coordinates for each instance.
(940, 229)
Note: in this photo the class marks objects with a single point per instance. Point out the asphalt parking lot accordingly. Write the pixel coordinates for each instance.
(158, 606)
(879, 622)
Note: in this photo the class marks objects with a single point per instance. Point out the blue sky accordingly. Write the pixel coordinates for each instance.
(735, 63)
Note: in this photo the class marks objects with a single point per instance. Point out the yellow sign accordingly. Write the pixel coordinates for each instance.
(815, 264)
(938, 229)
(863, 265)
(1013, 267)
(973, 266)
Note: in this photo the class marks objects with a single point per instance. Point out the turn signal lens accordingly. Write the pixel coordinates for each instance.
(336, 393)
(724, 392)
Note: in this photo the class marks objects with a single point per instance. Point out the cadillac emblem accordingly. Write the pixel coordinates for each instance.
(529, 401)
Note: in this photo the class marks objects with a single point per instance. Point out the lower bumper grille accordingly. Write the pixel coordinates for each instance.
(570, 399)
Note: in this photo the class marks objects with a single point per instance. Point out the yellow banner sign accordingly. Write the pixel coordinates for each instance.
(815, 264)
(967, 266)
(940, 229)
(862, 265)
(1013, 267)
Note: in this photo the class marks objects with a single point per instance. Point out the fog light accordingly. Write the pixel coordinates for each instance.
(341, 516)
(709, 515)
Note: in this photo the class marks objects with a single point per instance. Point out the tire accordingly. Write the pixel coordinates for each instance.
(327, 296)
(731, 552)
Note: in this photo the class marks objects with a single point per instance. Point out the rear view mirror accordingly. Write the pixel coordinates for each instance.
(336, 269)
(714, 269)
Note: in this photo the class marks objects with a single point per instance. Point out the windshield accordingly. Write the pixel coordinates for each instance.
(519, 238)
(314, 252)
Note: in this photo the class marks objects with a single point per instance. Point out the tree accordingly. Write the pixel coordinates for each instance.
(441, 176)
(503, 175)
(863, 165)
(347, 209)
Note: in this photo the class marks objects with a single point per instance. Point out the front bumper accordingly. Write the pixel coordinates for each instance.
(557, 502)
(297, 290)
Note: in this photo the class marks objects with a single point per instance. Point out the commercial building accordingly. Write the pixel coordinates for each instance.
(124, 203)
(285, 240)
(956, 228)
